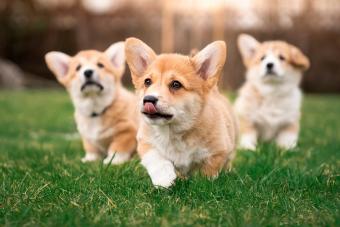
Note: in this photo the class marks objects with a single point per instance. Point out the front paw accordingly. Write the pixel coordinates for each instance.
(161, 171)
(164, 176)
(117, 158)
(287, 141)
(248, 142)
(90, 157)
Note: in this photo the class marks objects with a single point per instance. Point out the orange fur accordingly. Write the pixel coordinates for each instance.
(292, 54)
(114, 130)
(268, 106)
(208, 122)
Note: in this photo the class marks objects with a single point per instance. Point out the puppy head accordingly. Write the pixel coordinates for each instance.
(89, 72)
(272, 61)
(172, 87)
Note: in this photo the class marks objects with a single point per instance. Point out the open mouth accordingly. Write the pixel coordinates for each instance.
(158, 115)
(91, 83)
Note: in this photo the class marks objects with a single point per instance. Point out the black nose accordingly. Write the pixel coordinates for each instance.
(270, 65)
(88, 73)
(150, 98)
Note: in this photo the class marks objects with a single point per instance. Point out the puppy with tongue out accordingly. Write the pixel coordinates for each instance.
(186, 123)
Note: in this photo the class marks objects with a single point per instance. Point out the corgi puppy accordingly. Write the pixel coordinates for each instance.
(186, 123)
(268, 105)
(105, 112)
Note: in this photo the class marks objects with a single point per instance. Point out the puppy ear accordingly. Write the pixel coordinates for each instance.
(193, 52)
(247, 46)
(116, 55)
(209, 62)
(139, 56)
(298, 59)
(58, 63)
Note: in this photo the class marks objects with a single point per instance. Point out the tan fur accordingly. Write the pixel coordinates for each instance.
(118, 123)
(268, 107)
(213, 128)
(292, 54)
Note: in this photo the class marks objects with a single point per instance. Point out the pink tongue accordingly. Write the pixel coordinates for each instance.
(149, 108)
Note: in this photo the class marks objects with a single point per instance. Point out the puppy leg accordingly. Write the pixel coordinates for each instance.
(161, 171)
(213, 165)
(248, 138)
(121, 149)
(92, 152)
(288, 136)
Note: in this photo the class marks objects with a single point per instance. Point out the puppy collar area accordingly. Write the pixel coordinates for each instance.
(94, 114)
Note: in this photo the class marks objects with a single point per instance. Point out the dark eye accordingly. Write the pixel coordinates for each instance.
(263, 57)
(100, 65)
(282, 58)
(78, 67)
(147, 82)
(175, 85)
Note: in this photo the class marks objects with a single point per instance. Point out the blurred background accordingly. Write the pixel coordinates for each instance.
(30, 28)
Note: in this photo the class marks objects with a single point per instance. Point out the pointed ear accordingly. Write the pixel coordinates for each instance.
(247, 46)
(209, 62)
(116, 55)
(139, 56)
(58, 63)
(298, 59)
(193, 52)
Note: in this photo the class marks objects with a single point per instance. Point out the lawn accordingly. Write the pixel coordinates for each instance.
(43, 182)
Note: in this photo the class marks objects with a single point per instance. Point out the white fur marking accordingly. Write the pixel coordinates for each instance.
(161, 171)
(248, 141)
(118, 158)
(91, 157)
(287, 140)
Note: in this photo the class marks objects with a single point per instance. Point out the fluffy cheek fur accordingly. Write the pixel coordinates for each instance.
(254, 75)
(292, 75)
(186, 110)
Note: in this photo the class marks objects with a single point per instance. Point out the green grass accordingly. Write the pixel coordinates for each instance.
(43, 182)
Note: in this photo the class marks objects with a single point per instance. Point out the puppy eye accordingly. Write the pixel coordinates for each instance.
(263, 57)
(282, 58)
(100, 65)
(78, 67)
(175, 85)
(147, 82)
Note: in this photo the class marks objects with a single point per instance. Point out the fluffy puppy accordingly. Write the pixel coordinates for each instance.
(268, 105)
(186, 123)
(105, 112)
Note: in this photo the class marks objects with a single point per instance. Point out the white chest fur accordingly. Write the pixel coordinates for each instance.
(182, 153)
(276, 110)
(92, 128)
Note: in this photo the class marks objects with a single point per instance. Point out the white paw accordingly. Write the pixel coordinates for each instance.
(161, 171)
(248, 142)
(117, 158)
(287, 141)
(164, 176)
(90, 157)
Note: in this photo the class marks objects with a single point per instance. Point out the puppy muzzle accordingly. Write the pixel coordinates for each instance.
(91, 83)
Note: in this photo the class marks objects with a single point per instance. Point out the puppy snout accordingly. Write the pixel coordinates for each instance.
(150, 98)
(88, 73)
(270, 66)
